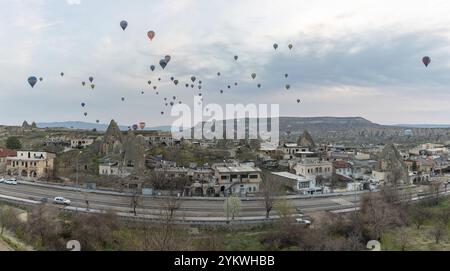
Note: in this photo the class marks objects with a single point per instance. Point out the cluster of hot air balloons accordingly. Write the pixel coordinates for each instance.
(193, 83)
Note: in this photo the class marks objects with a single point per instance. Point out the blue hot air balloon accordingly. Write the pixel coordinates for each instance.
(32, 80)
(124, 25)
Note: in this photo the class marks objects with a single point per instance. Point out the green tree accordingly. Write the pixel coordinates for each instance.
(13, 143)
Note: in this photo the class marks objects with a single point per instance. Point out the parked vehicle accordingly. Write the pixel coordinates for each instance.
(61, 201)
(11, 182)
(303, 221)
(2, 180)
(44, 200)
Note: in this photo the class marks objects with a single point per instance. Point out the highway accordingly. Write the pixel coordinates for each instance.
(154, 205)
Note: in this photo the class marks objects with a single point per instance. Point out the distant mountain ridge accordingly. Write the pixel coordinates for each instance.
(90, 126)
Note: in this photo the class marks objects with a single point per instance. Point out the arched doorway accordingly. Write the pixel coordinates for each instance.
(24, 173)
(198, 192)
(210, 192)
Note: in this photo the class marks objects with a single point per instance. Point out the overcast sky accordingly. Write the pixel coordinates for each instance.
(350, 58)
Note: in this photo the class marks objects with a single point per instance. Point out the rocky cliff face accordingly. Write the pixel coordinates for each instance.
(128, 150)
(306, 140)
(391, 162)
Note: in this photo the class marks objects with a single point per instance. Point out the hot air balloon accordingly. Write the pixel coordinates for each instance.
(62, 74)
(83, 104)
(218, 74)
(275, 46)
(142, 92)
(40, 79)
(235, 83)
(98, 121)
(174, 97)
(162, 113)
(236, 58)
(91, 79)
(200, 94)
(92, 86)
(151, 35)
(200, 87)
(155, 87)
(159, 79)
(83, 83)
(135, 127)
(149, 82)
(167, 104)
(426, 61)
(171, 78)
(253, 75)
(290, 46)
(175, 82)
(157, 93)
(259, 85)
(32, 81)
(286, 75)
(171, 103)
(288, 87)
(85, 114)
(180, 102)
(163, 63)
(192, 86)
(298, 101)
(199, 82)
(142, 125)
(152, 67)
(123, 99)
(187, 85)
(124, 25)
(167, 58)
(229, 86)
(193, 79)
(221, 91)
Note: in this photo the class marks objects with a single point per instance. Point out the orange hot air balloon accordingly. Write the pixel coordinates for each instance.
(151, 35)
(142, 125)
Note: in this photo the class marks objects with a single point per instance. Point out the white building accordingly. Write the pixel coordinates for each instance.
(312, 167)
(302, 184)
(81, 143)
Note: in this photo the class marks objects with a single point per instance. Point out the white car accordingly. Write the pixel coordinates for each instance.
(11, 182)
(302, 221)
(2, 180)
(61, 201)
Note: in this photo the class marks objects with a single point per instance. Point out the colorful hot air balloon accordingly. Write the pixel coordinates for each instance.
(253, 75)
(275, 46)
(163, 63)
(151, 35)
(167, 58)
(32, 80)
(135, 127)
(124, 25)
(175, 82)
(152, 67)
(142, 125)
(91, 79)
(426, 60)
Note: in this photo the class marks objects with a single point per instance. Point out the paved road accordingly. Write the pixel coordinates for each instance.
(151, 205)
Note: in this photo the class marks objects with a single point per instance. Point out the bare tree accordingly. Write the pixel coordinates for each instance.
(135, 201)
(232, 206)
(404, 238)
(438, 232)
(7, 218)
(418, 215)
(270, 189)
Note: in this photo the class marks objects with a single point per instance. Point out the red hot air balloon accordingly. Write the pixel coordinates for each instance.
(426, 61)
(151, 35)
